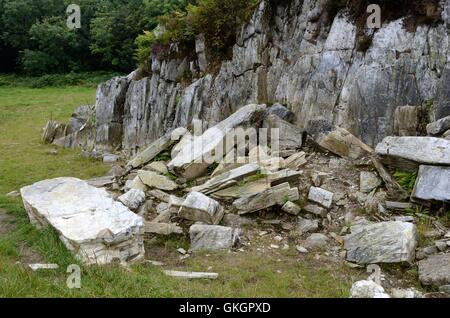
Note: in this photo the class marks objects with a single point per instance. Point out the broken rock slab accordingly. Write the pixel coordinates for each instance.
(155, 180)
(291, 208)
(385, 242)
(340, 142)
(97, 229)
(368, 181)
(228, 179)
(213, 237)
(162, 144)
(191, 160)
(284, 137)
(282, 112)
(435, 270)
(432, 184)
(321, 196)
(439, 127)
(191, 275)
(199, 208)
(422, 150)
(133, 199)
(296, 161)
(277, 195)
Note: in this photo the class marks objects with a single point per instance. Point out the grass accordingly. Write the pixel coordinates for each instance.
(25, 160)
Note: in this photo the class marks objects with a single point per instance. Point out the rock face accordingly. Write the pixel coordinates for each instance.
(385, 242)
(213, 237)
(286, 54)
(435, 270)
(433, 183)
(91, 224)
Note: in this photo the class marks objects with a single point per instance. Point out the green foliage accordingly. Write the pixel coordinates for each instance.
(406, 179)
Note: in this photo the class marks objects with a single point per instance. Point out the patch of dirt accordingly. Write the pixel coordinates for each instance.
(27, 255)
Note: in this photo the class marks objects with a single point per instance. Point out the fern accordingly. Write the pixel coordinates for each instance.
(406, 179)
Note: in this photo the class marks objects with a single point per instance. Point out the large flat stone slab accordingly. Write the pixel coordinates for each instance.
(422, 150)
(385, 242)
(432, 184)
(193, 159)
(94, 227)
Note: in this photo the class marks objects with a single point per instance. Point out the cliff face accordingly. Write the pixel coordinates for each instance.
(289, 55)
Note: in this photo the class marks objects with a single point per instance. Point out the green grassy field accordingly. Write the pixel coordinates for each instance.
(25, 160)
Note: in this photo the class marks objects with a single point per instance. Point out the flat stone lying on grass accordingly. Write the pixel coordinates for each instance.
(190, 162)
(367, 289)
(155, 180)
(35, 267)
(110, 158)
(160, 145)
(385, 242)
(191, 275)
(423, 150)
(228, 179)
(133, 199)
(321, 196)
(432, 184)
(213, 237)
(277, 195)
(439, 127)
(199, 208)
(435, 270)
(90, 223)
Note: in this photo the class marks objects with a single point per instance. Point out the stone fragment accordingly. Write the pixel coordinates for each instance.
(228, 179)
(316, 210)
(158, 167)
(385, 242)
(432, 184)
(296, 161)
(277, 195)
(155, 180)
(199, 208)
(53, 130)
(439, 127)
(393, 187)
(406, 293)
(301, 249)
(213, 237)
(391, 205)
(435, 270)
(90, 223)
(316, 241)
(291, 208)
(368, 181)
(284, 137)
(307, 226)
(282, 112)
(397, 151)
(110, 158)
(191, 275)
(162, 228)
(321, 196)
(190, 162)
(133, 199)
(35, 267)
(367, 289)
(160, 145)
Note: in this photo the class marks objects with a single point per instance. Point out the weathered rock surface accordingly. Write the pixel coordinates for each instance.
(213, 237)
(367, 289)
(439, 127)
(368, 181)
(433, 183)
(199, 208)
(435, 270)
(284, 137)
(321, 196)
(385, 242)
(277, 195)
(316, 241)
(155, 180)
(133, 198)
(194, 159)
(282, 112)
(91, 224)
(291, 208)
(423, 150)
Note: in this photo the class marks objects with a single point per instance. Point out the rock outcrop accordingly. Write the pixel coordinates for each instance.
(289, 54)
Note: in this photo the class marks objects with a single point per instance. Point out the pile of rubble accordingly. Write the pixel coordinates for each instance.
(330, 192)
